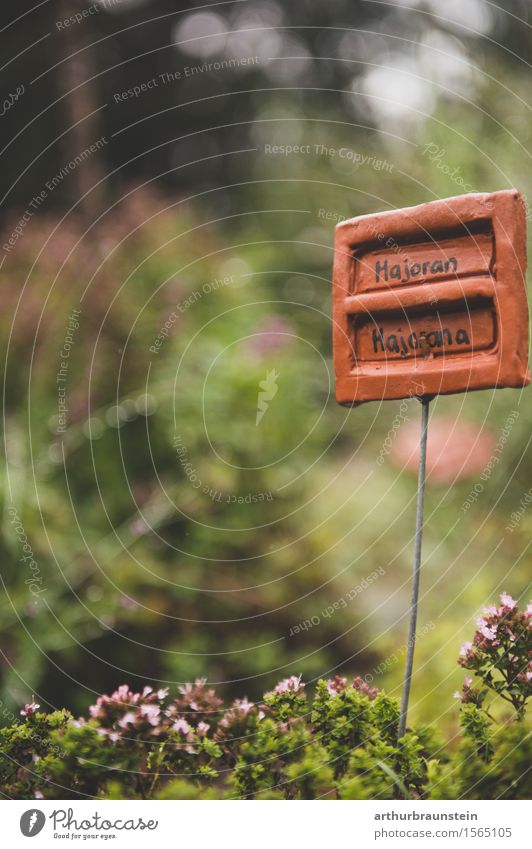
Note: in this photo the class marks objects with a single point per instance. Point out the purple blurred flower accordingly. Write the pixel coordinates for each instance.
(30, 709)
(336, 685)
(364, 688)
(507, 601)
(274, 334)
(293, 684)
(181, 726)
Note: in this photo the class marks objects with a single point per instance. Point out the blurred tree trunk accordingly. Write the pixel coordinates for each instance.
(74, 74)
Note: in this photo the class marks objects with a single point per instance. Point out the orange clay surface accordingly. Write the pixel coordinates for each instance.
(431, 299)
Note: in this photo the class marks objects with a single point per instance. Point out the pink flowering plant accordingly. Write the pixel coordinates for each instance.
(341, 742)
(500, 655)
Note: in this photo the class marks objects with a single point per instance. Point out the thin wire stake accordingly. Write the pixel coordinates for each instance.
(417, 563)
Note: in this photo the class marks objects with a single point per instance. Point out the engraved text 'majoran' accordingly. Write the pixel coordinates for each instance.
(404, 272)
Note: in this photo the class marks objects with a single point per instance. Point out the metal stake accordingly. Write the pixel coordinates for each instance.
(417, 563)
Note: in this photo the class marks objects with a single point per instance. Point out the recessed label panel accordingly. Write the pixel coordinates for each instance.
(425, 335)
(409, 265)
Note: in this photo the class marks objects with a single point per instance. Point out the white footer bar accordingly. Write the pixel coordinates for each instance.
(274, 825)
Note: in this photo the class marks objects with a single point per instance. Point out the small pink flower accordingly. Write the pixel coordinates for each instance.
(507, 601)
(151, 712)
(469, 694)
(138, 527)
(488, 633)
(243, 705)
(465, 648)
(188, 688)
(336, 685)
(127, 719)
(364, 688)
(29, 709)
(122, 694)
(202, 729)
(289, 685)
(181, 726)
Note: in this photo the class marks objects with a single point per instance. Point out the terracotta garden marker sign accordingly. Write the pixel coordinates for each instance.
(430, 300)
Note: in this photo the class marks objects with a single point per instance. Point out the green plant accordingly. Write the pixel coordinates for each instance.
(343, 745)
(501, 656)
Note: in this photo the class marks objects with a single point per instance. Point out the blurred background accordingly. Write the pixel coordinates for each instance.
(182, 496)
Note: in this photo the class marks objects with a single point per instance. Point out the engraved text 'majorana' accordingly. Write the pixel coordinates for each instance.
(397, 343)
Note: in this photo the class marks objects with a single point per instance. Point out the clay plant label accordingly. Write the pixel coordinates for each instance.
(431, 299)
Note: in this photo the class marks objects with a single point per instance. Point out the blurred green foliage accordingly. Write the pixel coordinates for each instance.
(147, 576)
